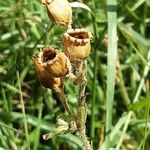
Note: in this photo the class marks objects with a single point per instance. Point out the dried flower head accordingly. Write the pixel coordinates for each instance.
(46, 79)
(59, 11)
(77, 44)
(55, 63)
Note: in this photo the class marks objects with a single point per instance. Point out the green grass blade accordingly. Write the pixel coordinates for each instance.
(137, 5)
(11, 128)
(92, 121)
(136, 98)
(23, 111)
(133, 35)
(36, 141)
(111, 65)
(5, 100)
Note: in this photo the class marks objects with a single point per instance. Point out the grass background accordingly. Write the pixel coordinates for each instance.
(27, 111)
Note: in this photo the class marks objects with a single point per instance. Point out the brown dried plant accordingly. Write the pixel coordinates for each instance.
(53, 66)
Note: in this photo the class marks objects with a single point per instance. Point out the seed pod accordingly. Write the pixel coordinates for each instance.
(59, 11)
(77, 44)
(46, 79)
(56, 63)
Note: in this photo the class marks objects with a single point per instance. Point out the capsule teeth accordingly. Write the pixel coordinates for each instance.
(79, 41)
(77, 30)
(72, 39)
(90, 35)
(71, 31)
(82, 30)
(85, 40)
(66, 35)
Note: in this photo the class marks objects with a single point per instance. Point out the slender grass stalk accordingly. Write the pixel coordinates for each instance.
(23, 111)
(92, 122)
(111, 65)
(63, 99)
(146, 70)
(36, 142)
(146, 130)
(5, 100)
(11, 128)
(121, 85)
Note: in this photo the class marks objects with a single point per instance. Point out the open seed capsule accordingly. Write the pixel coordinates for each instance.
(77, 44)
(46, 79)
(56, 63)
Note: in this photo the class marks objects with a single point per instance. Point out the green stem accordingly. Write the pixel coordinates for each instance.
(5, 100)
(123, 91)
(23, 111)
(63, 99)
(40, 108)
(92, 121)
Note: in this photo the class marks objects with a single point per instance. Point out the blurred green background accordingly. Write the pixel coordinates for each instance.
(25, 28)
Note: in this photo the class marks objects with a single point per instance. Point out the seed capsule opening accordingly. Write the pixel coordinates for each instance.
(48, 55)
(77, 44)
(47, 80)
(81, 35)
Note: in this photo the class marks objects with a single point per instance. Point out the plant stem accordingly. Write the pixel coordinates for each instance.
(63, 99)
(92, 121)
(82, 109)
(123, 91)
(81, 120)
(23, 111)
(40, 108)
(102, 131)
(5, 100)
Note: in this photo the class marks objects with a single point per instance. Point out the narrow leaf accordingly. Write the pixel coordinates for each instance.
(80, 5)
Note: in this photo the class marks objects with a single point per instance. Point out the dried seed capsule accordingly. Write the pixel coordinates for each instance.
(56, 63)
(77, 44)
(59, 11)
(46, 79)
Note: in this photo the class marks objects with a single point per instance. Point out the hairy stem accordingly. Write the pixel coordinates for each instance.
(82, 109)
(63, 99)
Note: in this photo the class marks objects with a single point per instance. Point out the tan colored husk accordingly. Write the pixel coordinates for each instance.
(59, 11)
(57, 64)
(77, 44)
(46, 79)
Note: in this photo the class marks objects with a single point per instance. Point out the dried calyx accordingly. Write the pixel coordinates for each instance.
(77, 44)
(59, 11)
(51, 67)
(55, 63)
(46, 79)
